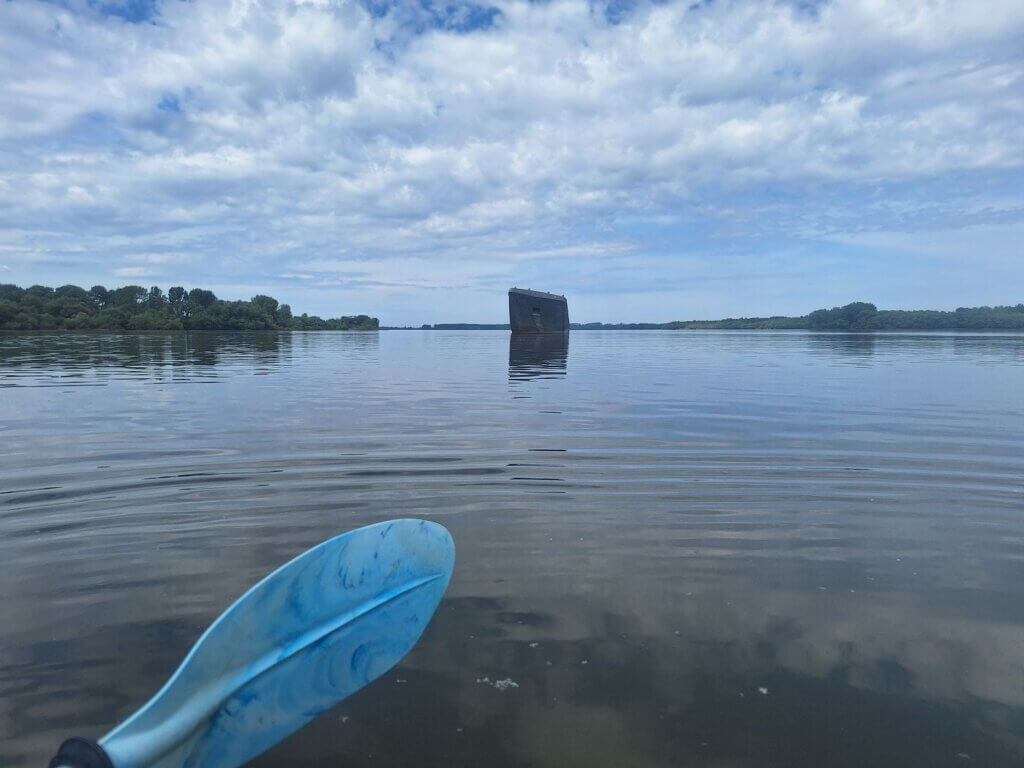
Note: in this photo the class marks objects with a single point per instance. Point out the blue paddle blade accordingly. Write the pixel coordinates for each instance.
(316, 630)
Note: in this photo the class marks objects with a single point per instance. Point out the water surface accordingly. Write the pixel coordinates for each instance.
(685, 548)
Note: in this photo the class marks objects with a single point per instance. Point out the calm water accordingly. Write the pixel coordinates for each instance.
(687, 549)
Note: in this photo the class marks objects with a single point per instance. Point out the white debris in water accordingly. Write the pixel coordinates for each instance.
(763, 691)
(501, 685)
(583, 662)
(400, 680)
(343, 719)
(963, 755)
(534, 645)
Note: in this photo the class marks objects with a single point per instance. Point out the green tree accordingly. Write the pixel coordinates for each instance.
(176, 295)
(859, 315)
(67, 304)
(132, 307)
(128, 296)
(856, 316)
(35, 296)
(9, 311)
(201, 298)
(11, 292)
(155, 299)
(99, 296)
(72, 292)
(267, 304)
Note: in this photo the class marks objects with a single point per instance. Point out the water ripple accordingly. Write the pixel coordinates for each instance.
(835, 519)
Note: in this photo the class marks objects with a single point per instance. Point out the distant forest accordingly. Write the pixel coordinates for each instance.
(858, 316)
(134, 308)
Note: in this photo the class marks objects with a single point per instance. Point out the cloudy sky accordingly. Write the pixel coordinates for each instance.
(413, 160)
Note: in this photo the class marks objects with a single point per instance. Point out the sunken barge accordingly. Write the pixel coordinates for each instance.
(537, 312)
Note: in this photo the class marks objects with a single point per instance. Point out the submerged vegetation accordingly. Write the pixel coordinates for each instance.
(133, 308)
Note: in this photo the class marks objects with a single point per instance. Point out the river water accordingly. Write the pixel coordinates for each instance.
(684, 548)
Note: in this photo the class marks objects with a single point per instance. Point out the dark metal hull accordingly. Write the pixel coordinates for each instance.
(537, 312)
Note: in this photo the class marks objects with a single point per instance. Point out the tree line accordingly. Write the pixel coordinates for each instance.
(862, 316)
(134, 308)
(856, 316)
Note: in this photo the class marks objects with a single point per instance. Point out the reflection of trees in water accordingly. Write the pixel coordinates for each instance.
(152, 352)
(211, 348)
(857, 346)
(537, 356)
(353, 343)
(993, 347)
(862, 346)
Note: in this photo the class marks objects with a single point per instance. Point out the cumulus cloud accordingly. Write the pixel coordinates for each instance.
(305, 144)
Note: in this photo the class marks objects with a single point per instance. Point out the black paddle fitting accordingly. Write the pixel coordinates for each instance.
(81, 753)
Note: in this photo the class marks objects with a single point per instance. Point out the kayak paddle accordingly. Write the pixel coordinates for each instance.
(311, 633)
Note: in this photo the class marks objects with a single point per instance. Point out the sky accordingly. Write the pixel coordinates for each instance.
(414, 160)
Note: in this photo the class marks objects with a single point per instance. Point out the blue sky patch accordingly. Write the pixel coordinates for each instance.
(169, 103)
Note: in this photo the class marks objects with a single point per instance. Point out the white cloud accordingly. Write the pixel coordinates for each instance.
(263, 136)
(131, 272)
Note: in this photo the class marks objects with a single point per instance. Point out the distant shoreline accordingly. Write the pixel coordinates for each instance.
(858, 316)
(488, 327)
(70, 308)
